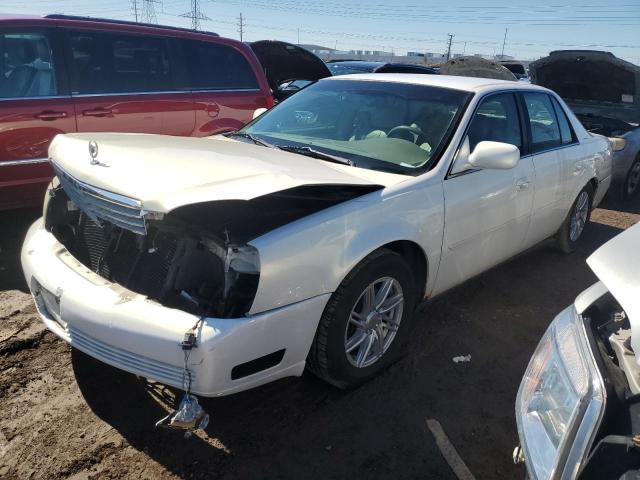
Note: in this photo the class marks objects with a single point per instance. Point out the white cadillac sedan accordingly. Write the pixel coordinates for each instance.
(307, 238)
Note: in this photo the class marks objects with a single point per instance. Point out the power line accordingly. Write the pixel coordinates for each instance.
(504, 40)
(149, 11)
(241, 26)
(535, 15)
(449, 47)
(195, 14)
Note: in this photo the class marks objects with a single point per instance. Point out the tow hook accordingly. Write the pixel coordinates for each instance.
(518, 455)
(189, 416)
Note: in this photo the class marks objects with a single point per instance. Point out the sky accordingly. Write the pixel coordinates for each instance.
(533, 28)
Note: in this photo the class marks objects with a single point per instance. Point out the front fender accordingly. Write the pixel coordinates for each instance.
(311, 256)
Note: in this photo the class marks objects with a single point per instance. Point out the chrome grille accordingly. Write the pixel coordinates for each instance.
(100, 204)
(125, 360)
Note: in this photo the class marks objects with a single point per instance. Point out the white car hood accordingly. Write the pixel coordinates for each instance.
(165, 172)
(617, 265)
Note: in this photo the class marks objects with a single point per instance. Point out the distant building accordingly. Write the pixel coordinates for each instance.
(318, 49)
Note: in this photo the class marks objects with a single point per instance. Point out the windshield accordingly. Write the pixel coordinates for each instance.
(386, 126)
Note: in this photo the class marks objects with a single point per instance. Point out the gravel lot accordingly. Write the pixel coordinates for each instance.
(64, 415)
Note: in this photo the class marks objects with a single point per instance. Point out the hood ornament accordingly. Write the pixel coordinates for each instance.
(93, 151)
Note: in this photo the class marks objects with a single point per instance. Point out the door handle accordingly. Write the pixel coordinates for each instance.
(97, 112)
(213, 110)
(49, 115)
(522, 184)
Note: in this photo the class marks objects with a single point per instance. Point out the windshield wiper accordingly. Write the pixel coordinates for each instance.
(251, 137)
(310, 152)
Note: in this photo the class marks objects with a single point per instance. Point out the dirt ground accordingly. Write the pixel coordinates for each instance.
(65, 415)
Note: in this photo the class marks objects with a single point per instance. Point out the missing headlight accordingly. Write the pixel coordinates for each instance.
(178, 264)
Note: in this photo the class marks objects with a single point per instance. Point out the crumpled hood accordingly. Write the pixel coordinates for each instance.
(165, 172)
(591, 82)
(617, 265)
(284, 61)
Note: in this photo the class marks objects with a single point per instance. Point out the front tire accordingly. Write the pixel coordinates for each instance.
(365, 322)
(573, 227)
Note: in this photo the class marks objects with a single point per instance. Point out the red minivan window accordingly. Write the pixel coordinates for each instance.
(34, 108)
(213, 66)
(225, 88)
(114, 63)
(68, 74)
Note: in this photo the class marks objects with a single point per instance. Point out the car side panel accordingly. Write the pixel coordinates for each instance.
(487, 218)
(223, 111)
(170, 113)
(550, 192)
(27, 127)
(592, 163)
(624, 159)
(24, 141)
(593, 160)
(312, 256)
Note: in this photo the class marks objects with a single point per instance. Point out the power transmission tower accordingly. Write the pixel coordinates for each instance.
(195, 14)
(449, 45)
(134, 7)
(241, 26)
(504, 40)
(149, 11)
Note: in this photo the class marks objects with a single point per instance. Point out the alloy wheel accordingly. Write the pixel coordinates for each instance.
(374, 322)
(579, 216)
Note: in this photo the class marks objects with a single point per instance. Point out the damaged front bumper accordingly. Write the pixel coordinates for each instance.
(133, 333)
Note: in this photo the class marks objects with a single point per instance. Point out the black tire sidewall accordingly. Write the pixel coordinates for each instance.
(625, 190)
(389, 264)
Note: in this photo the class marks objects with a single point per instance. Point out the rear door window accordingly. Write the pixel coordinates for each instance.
(545, 132)
(103, 63)
(566, 132)
(214, 66)
(26, 66)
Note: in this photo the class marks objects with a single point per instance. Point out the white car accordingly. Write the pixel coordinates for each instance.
(308, 237)
(577, 406)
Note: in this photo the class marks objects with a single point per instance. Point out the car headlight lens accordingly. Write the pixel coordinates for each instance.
(560, 400)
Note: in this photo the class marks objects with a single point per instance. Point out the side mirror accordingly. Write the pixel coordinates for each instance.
(258, 112)
(494, 156)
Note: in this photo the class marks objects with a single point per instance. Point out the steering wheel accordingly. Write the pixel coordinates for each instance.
(404, 132)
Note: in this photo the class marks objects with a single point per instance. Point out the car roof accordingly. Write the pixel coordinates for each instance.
(18, 16)
(469, 84)
(105, 23)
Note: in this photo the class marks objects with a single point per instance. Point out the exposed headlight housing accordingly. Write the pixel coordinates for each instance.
(560, 401)
(617, 143)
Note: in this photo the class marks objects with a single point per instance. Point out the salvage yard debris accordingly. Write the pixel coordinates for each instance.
(462, 359)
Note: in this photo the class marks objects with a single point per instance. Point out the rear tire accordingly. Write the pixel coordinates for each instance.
(631, 185)
(338, 354)
(574, 225)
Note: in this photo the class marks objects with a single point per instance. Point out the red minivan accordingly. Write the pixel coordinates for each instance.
(61, 74)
